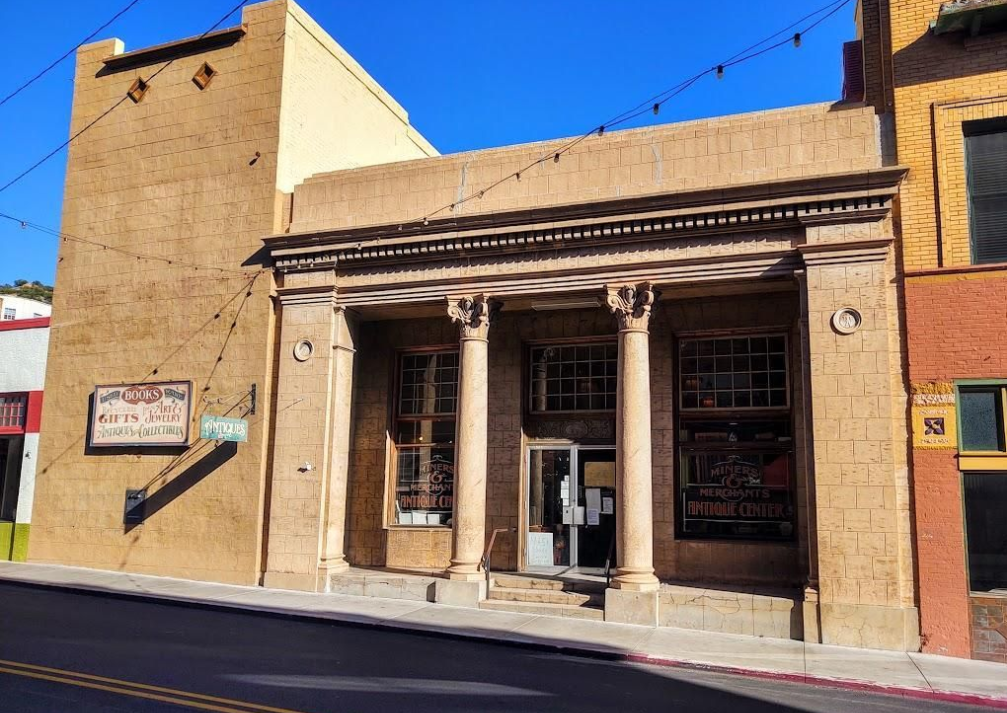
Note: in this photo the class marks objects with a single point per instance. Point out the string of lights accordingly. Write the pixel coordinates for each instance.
(69, 52)
(67, 237)
(112, 108)
(654, 103)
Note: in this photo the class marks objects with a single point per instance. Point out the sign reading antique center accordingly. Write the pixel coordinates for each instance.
(141, 414)
(220, 428)
(737, 494)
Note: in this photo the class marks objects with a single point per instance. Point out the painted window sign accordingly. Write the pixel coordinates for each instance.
(738, 495)
(154, 414)
(220, 428)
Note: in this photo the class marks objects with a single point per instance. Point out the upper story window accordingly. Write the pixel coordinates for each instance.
(12, 411)
(733, 373)
(986, 168)
(981, 418)
(573, 377)
(9, 313)
(426, 403)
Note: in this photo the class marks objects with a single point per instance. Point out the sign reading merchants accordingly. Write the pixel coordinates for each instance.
(141, 414)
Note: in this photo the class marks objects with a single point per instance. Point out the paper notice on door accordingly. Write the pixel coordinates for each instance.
(607, 506)
(592, 517)
(599, 475)
(593, 496)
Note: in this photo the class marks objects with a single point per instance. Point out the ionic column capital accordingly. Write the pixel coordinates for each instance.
(631, 305)
(473, 314)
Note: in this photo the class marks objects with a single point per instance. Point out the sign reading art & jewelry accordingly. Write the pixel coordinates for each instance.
(141, 414)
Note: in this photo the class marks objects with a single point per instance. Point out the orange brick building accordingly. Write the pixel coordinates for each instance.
(939, 72)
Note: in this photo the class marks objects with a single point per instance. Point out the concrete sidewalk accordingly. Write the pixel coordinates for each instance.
(917, 675)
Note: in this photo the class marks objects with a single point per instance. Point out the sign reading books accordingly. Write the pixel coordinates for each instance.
(141, 414)
(219, 428)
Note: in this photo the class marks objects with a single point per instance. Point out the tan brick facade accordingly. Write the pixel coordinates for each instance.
(777, 222)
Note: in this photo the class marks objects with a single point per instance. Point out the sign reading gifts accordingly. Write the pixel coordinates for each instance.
(141, 414)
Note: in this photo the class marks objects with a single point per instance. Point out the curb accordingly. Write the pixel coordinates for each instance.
(565, 649)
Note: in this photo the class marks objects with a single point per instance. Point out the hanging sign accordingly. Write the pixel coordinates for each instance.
(141, 414)
(220, 428)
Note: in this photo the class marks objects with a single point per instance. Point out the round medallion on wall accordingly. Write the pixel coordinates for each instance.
(303, 350)
(846, 320)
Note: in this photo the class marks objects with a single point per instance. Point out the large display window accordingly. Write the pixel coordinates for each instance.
(425, 407)
(735, 470)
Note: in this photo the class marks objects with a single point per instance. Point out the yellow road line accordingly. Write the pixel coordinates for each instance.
(138, 690)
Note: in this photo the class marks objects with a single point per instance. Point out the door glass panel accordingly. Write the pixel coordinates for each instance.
(596, 494)
(549, 495)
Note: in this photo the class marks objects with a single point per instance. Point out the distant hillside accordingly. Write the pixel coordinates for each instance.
(28, 290)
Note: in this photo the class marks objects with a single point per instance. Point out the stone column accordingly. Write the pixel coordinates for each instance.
(631, 306)
(472, 314)
(333, 555)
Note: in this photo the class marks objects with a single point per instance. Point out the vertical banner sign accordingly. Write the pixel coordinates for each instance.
(141, 414)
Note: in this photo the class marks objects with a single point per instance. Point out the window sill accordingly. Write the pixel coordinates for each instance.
(982, 461)
(397, 526)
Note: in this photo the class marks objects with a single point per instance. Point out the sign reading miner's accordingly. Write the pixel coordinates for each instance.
(736, 492)
(141, 414)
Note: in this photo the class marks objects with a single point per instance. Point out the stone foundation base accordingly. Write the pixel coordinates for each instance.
(459, 592)
(412, 588)
(870, 627)
(289, 580)
(624, 606)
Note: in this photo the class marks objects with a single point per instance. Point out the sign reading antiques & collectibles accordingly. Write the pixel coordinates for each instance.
(141, 414)
(220, 428)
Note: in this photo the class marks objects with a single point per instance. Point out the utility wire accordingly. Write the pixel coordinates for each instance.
(112, 108)
(654, 103)
(130, 253)
(69, 52)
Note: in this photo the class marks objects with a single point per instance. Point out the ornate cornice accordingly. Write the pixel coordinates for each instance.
(844, 198)
(631, 305)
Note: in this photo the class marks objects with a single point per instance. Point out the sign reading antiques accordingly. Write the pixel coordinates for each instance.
(141, 414)
(737, 493)
(219, 428)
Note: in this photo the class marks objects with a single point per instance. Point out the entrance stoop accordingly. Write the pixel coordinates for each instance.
(570, 598)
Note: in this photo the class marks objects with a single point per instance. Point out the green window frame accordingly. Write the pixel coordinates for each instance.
(981, 409)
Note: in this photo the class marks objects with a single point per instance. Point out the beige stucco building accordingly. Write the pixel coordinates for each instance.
(675, 348)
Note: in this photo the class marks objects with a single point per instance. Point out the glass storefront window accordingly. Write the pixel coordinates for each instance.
(573, 377)
(986, 530)
(980, 413)
(426, 403)
(735, 447)
(745, 372)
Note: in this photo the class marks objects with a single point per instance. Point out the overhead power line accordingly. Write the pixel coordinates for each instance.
(655, 103)
(67, 237)
(112, 108)
(69, 52)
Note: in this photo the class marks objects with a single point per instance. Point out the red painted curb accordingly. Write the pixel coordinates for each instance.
(848, 684)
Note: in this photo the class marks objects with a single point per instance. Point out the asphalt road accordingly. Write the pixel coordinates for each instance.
(73, 652)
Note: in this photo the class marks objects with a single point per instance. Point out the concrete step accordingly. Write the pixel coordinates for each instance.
(545, 596)
(561, 610)
(515, 581)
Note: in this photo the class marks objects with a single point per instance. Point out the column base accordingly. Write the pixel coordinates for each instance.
(460, 592)
(635, 581)
(624, 606)
(464, 573)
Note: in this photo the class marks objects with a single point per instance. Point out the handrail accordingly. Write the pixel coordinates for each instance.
(486, 561)
(608, 561)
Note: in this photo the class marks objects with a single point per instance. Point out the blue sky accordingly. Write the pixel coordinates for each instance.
(471, 74)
